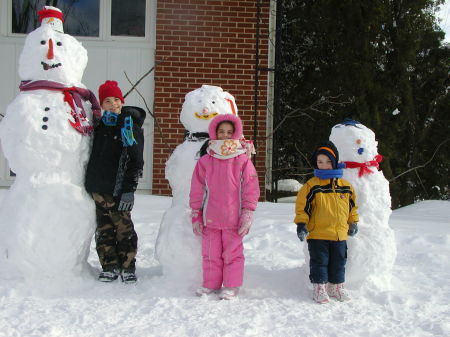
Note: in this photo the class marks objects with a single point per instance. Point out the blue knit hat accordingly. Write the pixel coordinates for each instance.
(329, 149)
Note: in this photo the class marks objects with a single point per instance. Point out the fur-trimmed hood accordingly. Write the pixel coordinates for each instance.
(233, 119)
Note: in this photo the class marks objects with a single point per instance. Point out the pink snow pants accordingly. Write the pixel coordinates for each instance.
(223, 258)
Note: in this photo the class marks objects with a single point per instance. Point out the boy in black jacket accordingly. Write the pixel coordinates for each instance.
(112, 175)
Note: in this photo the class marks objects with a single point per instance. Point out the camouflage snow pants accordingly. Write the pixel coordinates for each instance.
(115, 237)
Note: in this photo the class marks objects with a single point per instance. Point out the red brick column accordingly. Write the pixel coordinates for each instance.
(208, 42)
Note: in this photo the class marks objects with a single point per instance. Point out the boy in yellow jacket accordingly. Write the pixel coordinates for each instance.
(326, 213)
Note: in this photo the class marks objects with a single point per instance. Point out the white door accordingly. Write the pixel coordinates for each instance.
(119, 37)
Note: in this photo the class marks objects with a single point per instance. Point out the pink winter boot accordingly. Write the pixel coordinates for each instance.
(320, 293)
(338, 292)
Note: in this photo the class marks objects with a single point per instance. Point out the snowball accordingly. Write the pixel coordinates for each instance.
(203, 104)
(68, 61)
(289, 185)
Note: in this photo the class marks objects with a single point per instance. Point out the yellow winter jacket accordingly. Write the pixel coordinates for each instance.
(327, 207)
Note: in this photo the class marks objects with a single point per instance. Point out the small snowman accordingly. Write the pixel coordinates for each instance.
(177, 248)
(47, 219)
(373, 250)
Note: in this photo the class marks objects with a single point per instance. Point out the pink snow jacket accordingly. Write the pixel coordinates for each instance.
(221, 188)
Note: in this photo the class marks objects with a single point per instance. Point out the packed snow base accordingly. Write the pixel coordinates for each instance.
(274, 301)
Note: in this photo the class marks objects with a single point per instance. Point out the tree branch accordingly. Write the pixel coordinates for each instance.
(303, 155)
(149, 111)
(143, 76)
(423, 165)
(302, 112)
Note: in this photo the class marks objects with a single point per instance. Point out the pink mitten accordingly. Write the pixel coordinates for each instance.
(197, 221)
(245, 222)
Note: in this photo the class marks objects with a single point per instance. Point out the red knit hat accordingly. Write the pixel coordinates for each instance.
(109, 89)
(50, 12)
(52, 17)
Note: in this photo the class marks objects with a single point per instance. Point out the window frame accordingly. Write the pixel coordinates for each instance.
(3, 18)
(105, 8)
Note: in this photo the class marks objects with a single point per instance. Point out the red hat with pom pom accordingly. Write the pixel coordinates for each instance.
(109, 89)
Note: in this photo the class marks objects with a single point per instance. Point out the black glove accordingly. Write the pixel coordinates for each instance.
(352, 229)
(126, 202)
(302, 232)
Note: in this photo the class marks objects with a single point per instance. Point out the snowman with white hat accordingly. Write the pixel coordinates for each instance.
(47, 219)
(177, 248)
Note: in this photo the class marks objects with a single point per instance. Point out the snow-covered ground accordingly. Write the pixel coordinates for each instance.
(275, 300)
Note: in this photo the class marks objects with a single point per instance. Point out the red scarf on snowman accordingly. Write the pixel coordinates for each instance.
(73, 97)
(364, 167)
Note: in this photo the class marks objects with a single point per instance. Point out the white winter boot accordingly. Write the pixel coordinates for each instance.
(228, 293)
(320, 293)
(204, 291)
(338, 292)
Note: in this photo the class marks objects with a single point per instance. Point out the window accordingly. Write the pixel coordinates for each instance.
(128, 18)
(81, 17)
(93, 19)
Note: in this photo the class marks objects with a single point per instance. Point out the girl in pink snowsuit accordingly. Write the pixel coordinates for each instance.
(224, 193)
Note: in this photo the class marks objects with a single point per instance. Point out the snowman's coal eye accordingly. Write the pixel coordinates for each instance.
(59, 43)
(43, 42)
(213, 102)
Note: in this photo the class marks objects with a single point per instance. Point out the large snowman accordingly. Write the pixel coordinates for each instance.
(47, 219)
(372, 251)
(177, 248)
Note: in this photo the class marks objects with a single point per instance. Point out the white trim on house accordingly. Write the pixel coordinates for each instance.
(3, 17)
(270, 94)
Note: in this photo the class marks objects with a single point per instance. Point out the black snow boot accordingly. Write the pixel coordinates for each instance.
(109, 274)
(128, 276)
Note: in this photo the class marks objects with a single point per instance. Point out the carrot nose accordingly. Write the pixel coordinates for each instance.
(50, 54)
(205, 111)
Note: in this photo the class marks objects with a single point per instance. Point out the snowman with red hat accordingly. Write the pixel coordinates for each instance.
(177, 248)
(47, 218)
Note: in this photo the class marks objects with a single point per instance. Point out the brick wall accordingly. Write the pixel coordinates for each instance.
(208, 42)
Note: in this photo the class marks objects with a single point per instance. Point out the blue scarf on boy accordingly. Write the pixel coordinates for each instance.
(328, 174)
(110, 119)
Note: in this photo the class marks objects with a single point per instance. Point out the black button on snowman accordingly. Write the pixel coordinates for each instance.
(45, 119)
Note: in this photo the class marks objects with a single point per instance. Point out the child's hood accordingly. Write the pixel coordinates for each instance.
(138, 114)
(233, 119)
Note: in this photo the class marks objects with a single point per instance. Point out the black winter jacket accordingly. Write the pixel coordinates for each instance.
(106, 172)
